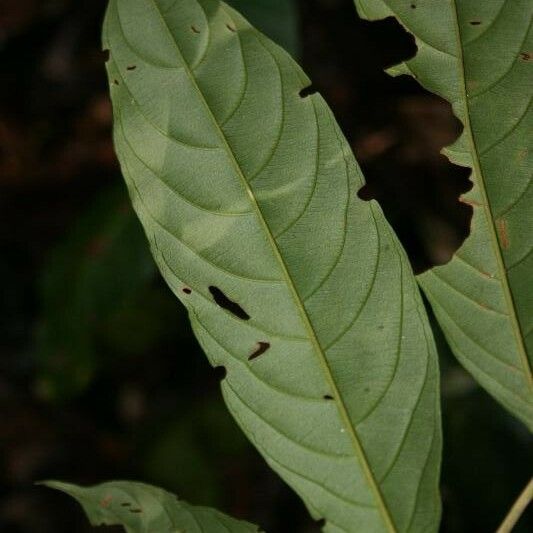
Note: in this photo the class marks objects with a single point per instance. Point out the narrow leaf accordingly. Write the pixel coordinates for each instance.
(247, 191)
(478, 55)
(142, 508)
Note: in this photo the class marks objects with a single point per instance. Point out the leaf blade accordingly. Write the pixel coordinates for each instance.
(144, 508)
(470, 54)
(284, 230)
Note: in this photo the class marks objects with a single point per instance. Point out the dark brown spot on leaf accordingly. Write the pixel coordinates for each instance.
(475, 22)
(328, 397)
(136, 511)
(262, 347)
(526, 56)
(186, 290)
(195, 29)
(126, 504)
(223, 301)
(106, 502)
(501, 225)
(116, 82)
(231, 28)
(131, 67)
(472, 85)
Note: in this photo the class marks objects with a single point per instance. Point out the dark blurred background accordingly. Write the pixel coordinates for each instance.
(100, 376)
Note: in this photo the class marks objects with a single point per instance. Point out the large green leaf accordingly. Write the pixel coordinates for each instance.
(478, 55)
(142, 508)
(247, 191)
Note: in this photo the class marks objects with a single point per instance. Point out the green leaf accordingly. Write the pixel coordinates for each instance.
(247, 191)
(142, 508)
(478, 55)
(277, 19)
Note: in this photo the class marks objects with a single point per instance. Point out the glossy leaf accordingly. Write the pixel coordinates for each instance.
(142, 508)
(478, 56)
(247, 191)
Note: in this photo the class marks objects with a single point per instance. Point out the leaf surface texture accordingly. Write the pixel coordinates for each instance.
(142, 508)
(478, 56)
(247, 191)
